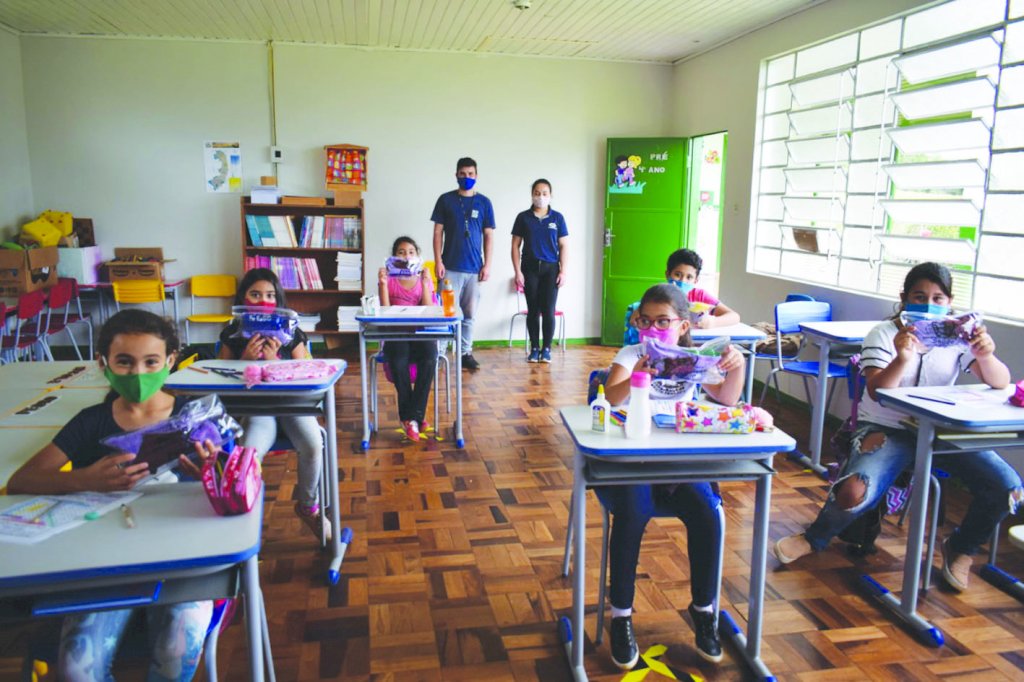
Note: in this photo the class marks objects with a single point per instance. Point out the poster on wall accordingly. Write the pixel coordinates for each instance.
(222, 162)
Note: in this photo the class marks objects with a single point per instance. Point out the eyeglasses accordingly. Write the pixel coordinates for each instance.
(661, 323)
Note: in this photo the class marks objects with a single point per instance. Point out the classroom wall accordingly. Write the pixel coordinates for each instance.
(130, 148)
(15, 180)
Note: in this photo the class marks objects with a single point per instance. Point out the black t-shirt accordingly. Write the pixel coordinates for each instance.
(236, 344)
(80, 438)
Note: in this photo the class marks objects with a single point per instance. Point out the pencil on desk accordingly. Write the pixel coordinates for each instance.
(198, 369)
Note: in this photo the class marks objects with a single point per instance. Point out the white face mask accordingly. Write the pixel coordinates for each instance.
(541, 201)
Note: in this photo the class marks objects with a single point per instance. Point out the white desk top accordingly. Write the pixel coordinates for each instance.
(187, 380)
(408, 314)
(41, 375)
(838, 330)
(664, 444)
(175, 530)
(736, 332)
(55, 413)
(977, 407)
(18, 447)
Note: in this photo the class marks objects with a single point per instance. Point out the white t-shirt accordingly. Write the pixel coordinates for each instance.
(937, 367)
(661, 389)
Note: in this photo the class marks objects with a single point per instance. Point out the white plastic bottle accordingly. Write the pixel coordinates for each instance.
(600, 411)
(638, 416)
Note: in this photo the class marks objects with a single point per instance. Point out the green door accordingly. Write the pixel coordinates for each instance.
(645, 221)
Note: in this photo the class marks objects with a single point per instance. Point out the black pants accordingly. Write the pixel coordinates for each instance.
(412, 400)
(541, 289)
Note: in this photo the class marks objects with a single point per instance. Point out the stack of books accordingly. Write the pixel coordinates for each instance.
(294, 273)
(347, 318)
(343, 232)
(350, 271)
(308, 322)
(271, 230)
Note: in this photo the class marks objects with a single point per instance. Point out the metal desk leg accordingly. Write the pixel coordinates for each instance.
(362, 393)
(341, 537)
(460, 442)
(906, 607)
(818, 415)
(750, 645)
(572, 632)
(253, 619)
(749, 392)
(268, 655)
(174, 296)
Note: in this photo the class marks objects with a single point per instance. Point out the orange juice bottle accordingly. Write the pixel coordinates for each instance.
(448, 299)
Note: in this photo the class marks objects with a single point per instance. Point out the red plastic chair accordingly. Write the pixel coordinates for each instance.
(559, 320)
(30, 317)
(71, 318)
(58, 315)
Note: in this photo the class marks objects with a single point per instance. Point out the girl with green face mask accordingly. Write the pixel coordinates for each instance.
(136, 349)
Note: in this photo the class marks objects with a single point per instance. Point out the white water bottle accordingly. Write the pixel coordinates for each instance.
(638, 416)
(600, 412)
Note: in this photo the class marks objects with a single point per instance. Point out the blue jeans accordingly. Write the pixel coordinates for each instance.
(632, 506)
(89, 641)
(467, 294)
(881, 453)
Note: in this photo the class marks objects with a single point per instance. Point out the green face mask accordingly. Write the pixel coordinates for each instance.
(137, 388)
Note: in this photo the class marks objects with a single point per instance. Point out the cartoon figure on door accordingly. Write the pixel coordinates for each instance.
(624, 175)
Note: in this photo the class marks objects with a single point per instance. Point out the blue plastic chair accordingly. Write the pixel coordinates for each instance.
(788, 317)
(772, 358)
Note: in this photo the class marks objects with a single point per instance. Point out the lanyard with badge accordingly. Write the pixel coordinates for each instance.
(469, 213)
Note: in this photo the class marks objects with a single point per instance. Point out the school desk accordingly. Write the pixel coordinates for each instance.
(741, 335)
(58, 374)
(976, 409)
(178, 551)
(18, 447)
(101, 289)
(302, 397)
(669, 457)
(410, 323)
(824, 334)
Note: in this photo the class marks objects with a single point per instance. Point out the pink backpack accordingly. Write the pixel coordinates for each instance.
(232, 481)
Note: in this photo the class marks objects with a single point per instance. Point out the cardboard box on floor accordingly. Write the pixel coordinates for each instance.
(24, 271)
(136, 263)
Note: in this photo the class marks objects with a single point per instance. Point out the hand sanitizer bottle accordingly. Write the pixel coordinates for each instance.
(638, 416)
(600, 411)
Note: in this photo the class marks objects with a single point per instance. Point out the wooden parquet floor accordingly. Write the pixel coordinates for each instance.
(454, 572)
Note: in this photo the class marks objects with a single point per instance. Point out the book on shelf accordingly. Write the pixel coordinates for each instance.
(347, 318)
(343, 232)
(308, 321)
(294, 273)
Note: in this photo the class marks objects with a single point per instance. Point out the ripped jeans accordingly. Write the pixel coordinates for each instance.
(879, 455)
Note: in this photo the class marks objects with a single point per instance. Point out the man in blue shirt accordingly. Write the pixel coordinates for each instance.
(463, 226)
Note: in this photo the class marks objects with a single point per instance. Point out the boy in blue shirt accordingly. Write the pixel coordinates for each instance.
(463, 226)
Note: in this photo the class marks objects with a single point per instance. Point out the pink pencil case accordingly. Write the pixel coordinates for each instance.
(232, 481)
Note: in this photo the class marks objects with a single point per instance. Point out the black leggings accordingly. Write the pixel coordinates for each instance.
(541, 289)
(412, 400)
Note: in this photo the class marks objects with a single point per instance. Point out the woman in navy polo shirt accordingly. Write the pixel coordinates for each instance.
(540, 265)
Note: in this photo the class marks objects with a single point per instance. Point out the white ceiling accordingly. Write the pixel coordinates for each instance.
(626, 30)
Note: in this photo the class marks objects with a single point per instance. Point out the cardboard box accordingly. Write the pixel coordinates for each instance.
(83, 264)
(29, 270)
(135, 263)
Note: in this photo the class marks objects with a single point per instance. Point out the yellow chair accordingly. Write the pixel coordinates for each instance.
(137, 291)
(210, 286)
(428, 265)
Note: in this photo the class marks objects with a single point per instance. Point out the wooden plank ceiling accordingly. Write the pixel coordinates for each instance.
(620, 30)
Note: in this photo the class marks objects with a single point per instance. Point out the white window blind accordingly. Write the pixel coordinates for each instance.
(898, 143)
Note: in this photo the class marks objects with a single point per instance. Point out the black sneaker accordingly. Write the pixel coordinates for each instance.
(624, 650)
(705, 627)
(469, 362)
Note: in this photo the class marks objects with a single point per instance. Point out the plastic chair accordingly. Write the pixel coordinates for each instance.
(139, 291)
(71, 318)
(788, 317)
(58, 303)
(771, 358)
(559, 320)
(209, 286)
(442, 359)
(30, 330)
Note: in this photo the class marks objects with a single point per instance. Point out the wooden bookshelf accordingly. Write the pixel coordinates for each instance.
(323, 301)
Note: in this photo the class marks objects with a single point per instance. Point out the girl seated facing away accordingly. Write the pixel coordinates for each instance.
(663, 315)
(892, 356)
(136, 352)
(411, 290)
(260, 288)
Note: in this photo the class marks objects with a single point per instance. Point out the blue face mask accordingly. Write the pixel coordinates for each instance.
(466, 183)
(684, 286)
(926, 309)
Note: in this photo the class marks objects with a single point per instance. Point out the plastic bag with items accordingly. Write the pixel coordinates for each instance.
(160, 444)
(693, 365)
(941, 331)
(403, 267)
(274, 323)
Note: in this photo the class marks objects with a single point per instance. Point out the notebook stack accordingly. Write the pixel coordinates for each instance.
(347, 318)
(350, 271)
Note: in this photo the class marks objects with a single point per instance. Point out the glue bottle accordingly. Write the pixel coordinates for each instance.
(600, 411)
(638, 416)
(448, 299)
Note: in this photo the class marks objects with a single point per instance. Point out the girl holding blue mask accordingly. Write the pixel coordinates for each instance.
(892, 356)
